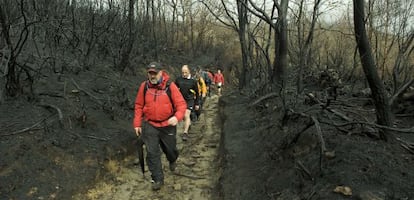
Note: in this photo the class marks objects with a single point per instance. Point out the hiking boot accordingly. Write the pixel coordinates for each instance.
(184, 137)
(173, 165)
(157, 185)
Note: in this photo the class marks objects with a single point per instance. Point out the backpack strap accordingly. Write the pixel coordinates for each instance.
(167, 90)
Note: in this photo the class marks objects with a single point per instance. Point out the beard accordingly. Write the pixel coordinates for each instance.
(153, 81)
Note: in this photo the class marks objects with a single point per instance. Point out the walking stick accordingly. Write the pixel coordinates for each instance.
(140, 145)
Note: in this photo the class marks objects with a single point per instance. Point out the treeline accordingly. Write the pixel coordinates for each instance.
(73, 35)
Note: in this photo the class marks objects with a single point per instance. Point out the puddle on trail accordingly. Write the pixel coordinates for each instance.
(196, 175)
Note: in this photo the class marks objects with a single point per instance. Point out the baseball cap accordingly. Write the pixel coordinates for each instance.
(154, 67)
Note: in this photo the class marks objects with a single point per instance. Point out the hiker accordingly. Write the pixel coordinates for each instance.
(219, 81)
(159, 106)
(188, 88)
(211, 78)
(206, 77)
(202, 92)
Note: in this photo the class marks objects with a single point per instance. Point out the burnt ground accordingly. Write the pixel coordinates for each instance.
(267, 160)
(45, 155)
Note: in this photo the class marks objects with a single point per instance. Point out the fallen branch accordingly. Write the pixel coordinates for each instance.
(86, 92)
(28, 128)
(297, 135)
(96, 138)
(405, 115)
(409, 146)
(319, 133)
(270, 95)
(51, 94)
(57, 110)
(321, 140)
(402, 130)
(341, 115)
(303, 168)
(400, 91)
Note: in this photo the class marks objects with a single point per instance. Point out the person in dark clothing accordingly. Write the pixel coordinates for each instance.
(202, 92)
(157, 112)
(188, 88)
(211, 78)
(208, 78)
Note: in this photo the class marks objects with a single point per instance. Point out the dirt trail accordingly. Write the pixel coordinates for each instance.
(196, 175)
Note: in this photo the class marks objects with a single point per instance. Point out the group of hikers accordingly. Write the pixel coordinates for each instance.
(161, 104)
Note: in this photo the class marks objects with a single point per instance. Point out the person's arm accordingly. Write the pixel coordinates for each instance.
(178, 101)
(197, 96)
(139, 105)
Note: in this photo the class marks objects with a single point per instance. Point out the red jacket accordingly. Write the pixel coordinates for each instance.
(157, 107)
(219, 78)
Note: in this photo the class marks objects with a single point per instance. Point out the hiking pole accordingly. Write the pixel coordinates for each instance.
(140, 145)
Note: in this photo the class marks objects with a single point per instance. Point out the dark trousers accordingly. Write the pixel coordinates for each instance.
(154, 138)
(201, 105)
(208, 89)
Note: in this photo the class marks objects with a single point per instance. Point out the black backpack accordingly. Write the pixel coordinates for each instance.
(206, 78)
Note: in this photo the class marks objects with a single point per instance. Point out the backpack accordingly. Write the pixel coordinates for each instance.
(167, 90)
(200, 83)
(207, 79)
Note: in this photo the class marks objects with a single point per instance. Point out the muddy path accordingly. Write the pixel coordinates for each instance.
(197, 170)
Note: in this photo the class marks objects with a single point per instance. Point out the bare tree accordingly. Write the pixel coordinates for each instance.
(173, 33)
(305, 42)
(379, 96)
(131, 38)
(243, 38)
(279, 25)
(281, 38)
(12, 76)
(241, 27)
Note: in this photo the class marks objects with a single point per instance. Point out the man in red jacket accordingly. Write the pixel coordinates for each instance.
(157, 112)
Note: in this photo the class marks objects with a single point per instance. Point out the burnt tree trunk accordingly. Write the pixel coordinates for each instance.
(281, 50)
(242, 14)
(12, 85)
(130, 42)
(306, 49)
(379, 96)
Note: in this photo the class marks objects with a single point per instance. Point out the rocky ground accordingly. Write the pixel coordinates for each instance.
(197, 172)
